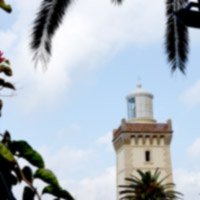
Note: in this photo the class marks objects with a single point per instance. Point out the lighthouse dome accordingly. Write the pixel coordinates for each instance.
(139, 91)
(140, 105)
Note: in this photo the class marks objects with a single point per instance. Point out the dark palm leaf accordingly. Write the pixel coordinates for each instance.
(130, 197)
(46, 23)
(176, 36)
(148, 187)
(117, 1)
(127, 191)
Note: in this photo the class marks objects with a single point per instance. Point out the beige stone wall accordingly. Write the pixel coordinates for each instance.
(131, 156)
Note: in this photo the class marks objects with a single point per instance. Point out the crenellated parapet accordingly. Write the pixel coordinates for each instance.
(140, 134)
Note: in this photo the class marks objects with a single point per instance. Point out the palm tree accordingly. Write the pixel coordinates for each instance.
(47, 21)
(148, 187)
(176, 37)
(51, 14)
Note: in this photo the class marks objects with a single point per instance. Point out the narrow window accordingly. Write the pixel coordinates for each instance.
(131, 108)
(147, 156)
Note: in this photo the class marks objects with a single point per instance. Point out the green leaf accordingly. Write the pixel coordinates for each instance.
(8, 176)
(6, 138)
(47, 176)
(1, 104)
(25, 151)
(9, 85)
(6, 70)
(51, 190)
(2, 81)
(7, 61)
(28, 173)
(5, 7)
(58, 192)
(6, 153)
(13, 179)
(18, 173)
(6, 84)
(28, 193)
(66, 195)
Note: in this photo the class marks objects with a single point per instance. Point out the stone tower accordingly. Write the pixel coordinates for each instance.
(140, 142)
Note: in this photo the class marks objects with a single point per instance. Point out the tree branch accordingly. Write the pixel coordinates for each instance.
(27, 182)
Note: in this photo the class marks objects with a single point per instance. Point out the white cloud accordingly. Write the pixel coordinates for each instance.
(100, 187)
(106, 140)
(194, 149)
(188, 183)
(191, 97)
(92, 32)
(65, 160)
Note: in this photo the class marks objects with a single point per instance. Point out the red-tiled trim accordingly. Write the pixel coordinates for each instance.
(145, 128)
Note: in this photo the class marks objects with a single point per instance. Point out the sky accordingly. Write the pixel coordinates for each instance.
(68, 112)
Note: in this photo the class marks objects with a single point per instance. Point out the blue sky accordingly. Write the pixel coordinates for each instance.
(68, 112)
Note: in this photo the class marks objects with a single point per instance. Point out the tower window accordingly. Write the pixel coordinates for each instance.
(131, 108)
(147, 156)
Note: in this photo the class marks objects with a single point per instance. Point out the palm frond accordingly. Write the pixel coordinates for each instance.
(117, 1)
(156, 174)
(134, 180)
(168, 186)
(124, 186)
(129, 197)
(148, 187)
(46, 23)
(176, 37)
(126, 191)
(164, 178)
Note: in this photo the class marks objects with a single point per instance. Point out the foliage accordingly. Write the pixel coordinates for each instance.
(148, 187)
(11, 173)
(176, 36)
(51, 14)
(5, 6)
(47, 21)
(7, 71)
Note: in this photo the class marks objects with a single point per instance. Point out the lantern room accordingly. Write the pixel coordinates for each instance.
(139, 104)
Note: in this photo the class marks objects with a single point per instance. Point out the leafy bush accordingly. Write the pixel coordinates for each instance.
(11, 173)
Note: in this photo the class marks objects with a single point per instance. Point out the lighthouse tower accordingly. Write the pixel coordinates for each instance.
(140, 142)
